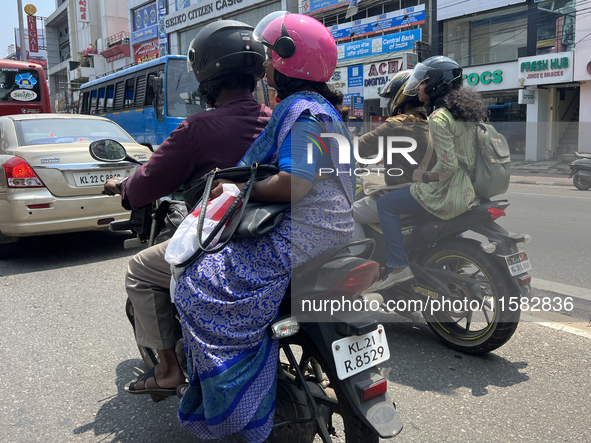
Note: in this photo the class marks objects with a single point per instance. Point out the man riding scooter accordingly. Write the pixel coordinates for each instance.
(227, 62)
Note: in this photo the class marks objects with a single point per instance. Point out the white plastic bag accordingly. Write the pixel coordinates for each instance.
(183, 243)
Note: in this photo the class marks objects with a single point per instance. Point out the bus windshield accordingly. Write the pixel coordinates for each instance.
(182, 90)
(19, 85)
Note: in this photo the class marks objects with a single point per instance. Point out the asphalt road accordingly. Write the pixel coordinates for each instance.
(67, 351)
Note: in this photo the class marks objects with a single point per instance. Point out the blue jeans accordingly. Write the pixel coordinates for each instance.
(390, 207)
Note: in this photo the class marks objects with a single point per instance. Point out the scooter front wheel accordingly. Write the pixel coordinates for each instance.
(581, 183)
(478, 319)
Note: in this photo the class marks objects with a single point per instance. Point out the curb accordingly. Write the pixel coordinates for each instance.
(539, 182)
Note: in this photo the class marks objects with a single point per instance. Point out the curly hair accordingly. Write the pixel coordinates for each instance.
(463, 103)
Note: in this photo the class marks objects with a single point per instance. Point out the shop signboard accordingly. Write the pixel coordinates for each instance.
(384, 44)
(376, 75)
(402, 18)
(145, 23)
(321, 5)
(82, 11)
(146, 51)
(497, 77)
(339, 80)
(204, 11)
(546, 69)
(527, 96)
(357, 105)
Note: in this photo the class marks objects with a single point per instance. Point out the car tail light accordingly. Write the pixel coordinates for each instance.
(372, 391)
(19, 174)
(357, 279)
(496, 212)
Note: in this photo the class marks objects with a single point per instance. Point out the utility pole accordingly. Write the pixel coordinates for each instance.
(21, 30)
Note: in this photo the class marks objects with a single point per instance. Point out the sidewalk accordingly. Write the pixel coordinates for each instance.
(546, 172)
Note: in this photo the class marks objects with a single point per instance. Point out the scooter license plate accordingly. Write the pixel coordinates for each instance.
(355, 354)
(518, 263)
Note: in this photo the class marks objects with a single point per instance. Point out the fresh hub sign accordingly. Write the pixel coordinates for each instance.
(546, 69)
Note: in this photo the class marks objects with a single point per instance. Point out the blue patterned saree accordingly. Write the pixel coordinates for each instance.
(227, 300)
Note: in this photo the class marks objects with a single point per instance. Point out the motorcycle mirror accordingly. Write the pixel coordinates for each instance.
(107, 150)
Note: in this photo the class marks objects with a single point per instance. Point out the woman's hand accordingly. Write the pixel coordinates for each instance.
(417, 174)
(218, 187)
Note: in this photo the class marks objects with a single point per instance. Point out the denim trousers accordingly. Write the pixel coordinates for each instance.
(390, 207)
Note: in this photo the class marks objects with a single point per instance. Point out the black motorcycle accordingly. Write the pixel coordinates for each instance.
(581, 171)
(468, 291)
(325, 368)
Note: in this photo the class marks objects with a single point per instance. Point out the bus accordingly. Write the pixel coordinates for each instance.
(148, 100)
(23, 88)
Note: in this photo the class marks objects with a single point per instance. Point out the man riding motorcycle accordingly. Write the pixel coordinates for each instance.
(407, 119)
(227, 63)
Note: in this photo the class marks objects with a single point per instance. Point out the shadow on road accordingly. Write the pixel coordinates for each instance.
(418, 359)
(48, 252)
(135, 418)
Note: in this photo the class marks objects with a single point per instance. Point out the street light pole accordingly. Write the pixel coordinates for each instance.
(21, 30)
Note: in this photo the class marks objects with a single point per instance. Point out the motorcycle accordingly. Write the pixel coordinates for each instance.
(469, 292)
(324, 368)
(581, 171)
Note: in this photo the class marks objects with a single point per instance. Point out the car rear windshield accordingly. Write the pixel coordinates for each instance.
(68, 130)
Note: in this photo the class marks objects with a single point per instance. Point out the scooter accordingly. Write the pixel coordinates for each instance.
(581, 171)
(325, 367)
(468, 291)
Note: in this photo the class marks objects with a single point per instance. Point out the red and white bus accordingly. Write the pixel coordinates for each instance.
(23, 88)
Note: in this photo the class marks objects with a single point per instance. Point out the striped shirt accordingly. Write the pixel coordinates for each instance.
(454, 141)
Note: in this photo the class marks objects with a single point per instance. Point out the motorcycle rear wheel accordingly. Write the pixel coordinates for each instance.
(313, 366)
(581, 183)
(476, 331)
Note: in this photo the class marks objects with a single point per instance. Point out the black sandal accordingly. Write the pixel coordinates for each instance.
(158, 391)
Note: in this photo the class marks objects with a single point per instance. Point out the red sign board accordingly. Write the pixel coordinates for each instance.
(377, 121)
(32, 27)
(146, 51)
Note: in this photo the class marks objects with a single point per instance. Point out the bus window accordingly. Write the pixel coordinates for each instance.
(182, 91)
(101, 99)
(159, 103)
(119, 95)
(129, 92)
(149, 101)
(140, 91)
(93, 99)
(110, 96)
(84, 103)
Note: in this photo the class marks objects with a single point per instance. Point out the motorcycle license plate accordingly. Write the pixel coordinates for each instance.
(357, 353)
(95, 178)
(518, 263)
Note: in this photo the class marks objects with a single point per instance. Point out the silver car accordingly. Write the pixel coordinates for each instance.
(49, 183)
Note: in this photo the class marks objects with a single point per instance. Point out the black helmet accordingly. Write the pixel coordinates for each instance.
(224, 48)
(394, 90)
(442, 73)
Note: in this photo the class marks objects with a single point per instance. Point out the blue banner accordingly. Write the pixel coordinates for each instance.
(401, 41)
(145, 34)
(381, 23)
(319, 5)
(354, 76)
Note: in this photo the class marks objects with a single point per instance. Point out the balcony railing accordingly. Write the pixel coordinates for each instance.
(121, 38)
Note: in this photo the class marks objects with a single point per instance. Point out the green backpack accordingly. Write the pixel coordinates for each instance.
(493, 162)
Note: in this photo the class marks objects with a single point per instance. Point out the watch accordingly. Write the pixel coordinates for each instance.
(425, 177)
(120, 182)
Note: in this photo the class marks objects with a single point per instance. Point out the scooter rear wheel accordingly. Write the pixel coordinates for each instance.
(581, 183)
(317, 372)
(488, 322)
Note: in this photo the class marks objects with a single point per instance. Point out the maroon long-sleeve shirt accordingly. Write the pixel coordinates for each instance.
(205, 140)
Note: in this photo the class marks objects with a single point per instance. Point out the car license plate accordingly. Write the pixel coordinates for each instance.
(357, 353)
(518, 263)
(95, 178)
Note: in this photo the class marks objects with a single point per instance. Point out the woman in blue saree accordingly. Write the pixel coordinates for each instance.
(227, 300)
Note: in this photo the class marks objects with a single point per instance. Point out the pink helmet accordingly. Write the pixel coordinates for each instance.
(302, 47)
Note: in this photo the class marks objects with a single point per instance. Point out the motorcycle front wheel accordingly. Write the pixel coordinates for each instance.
(581, 183)
(478, 322)
(323, 384)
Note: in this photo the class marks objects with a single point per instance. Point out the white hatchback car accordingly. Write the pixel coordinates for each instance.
(49, 183)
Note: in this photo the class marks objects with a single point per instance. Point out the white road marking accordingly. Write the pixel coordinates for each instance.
(559, 288)
(556, 326)
(549, 195)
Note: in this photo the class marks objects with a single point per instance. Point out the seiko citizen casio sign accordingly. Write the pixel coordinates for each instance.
(484, 78)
